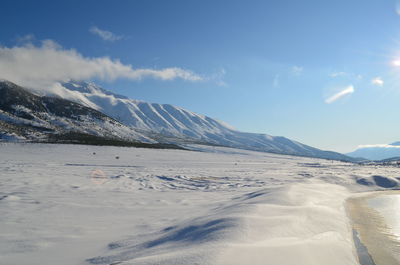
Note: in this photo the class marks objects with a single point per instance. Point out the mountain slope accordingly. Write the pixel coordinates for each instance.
(171, 121)
(24, 115)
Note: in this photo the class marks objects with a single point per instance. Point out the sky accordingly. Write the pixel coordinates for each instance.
(325, 73)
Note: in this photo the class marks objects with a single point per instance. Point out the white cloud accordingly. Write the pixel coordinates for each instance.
(377, 81)
(346, 91)
(43, 65)
(104, 34)
(297, 70)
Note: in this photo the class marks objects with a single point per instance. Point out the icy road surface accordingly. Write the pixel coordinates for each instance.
(73, 204)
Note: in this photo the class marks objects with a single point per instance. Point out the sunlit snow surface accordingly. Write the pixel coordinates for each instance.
(72, 204)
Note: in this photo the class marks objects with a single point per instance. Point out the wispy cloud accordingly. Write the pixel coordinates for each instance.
(26, 38)
(48, 63)
(398, 7)
(105, 34)
(297, 70)
(377, 81)
(346, 91)
(275, 81)
(378, 145)
(218, 78)
(337, 74)
(346, 75)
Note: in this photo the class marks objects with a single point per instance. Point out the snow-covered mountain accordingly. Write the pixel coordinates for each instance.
(377, 152)
(170, 121)
(86, 108)
(24, 115)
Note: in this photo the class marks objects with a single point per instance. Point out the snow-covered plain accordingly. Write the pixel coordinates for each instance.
(74, 204)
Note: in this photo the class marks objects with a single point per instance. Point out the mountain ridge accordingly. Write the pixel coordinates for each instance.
(165, 123)
(174, 121)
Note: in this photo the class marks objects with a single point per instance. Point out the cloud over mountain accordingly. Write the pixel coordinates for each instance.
(45, 64)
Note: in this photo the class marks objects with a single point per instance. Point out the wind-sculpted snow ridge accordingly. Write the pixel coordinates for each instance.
(178, 182)
(77, 204)
(182, 125)
(252, 228)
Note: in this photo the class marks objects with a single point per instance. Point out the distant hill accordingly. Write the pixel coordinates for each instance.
(377, 152)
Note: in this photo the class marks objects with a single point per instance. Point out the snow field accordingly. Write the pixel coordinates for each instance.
(219, 206)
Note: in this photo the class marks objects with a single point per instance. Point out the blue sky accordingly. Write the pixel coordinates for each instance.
(320, 72)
